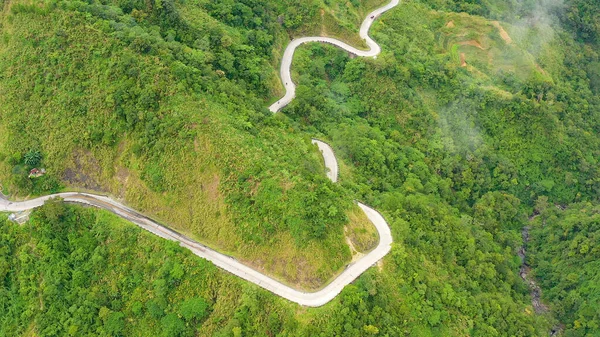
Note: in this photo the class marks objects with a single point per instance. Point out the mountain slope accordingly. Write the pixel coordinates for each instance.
(453, 132)
(114, 107)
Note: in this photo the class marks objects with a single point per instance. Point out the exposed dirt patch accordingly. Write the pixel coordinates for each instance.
(82, 172)
(323, 30)
(356, 255)
(450, 24)
(463, 60)
(122, 177)
(473, 43)
(503, 34)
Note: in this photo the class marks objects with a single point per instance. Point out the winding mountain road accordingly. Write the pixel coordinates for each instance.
(329, 158)
(288, 54)
(312, 299)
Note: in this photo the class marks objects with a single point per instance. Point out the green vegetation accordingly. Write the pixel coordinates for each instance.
(140, 103)
(417, 128)
(76, 271)
(453, 133)
(360, 232)
(565, 255)
(508, 121)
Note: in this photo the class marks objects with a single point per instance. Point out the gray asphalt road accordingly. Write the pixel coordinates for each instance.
(233, 266)
(329, 158)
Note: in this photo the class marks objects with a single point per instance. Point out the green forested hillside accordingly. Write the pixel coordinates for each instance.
(486, 116)
(80, 272)
(566, 257)
(453, 133)
(506, 119)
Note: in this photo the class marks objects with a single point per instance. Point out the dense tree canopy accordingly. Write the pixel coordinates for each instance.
(565, 257)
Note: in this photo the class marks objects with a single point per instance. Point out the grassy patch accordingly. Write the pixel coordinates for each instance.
(361, 232)
(487, 47)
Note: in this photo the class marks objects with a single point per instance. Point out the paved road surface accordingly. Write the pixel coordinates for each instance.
(288, 55)
(313, 299)
(329, 158)
(228, 263)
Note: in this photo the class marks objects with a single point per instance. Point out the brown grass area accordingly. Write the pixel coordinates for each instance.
(293, 266)
(322, 13)
(4, 169)
(503, 34)
(193, 203)
(331, 27)
(502, 93)
(196, 207)
(7, 5)
(463, 60)
(380, 265)
(472, 43)
(483, 46)
(341, 26)
(370, 5)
